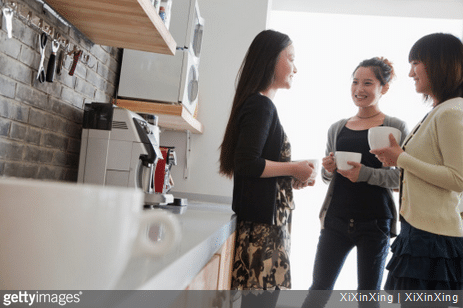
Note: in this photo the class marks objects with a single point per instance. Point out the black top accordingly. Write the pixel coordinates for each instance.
(260, 137)
(360, 201)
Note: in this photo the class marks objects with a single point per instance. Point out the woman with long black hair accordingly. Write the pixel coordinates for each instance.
(256, 153)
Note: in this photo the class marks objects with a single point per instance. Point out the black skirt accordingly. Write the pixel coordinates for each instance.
(425, 261)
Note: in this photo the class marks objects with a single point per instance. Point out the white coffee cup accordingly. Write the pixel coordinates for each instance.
(66, 236)
(378, 137)
(341, 158)
(316, 164)
(315, 172)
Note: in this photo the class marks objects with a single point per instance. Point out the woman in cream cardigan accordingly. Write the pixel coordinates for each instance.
(428, 253)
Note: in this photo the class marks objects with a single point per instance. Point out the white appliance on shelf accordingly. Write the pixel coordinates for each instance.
(162, 78)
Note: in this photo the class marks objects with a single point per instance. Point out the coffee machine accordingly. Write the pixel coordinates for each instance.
(121, 148)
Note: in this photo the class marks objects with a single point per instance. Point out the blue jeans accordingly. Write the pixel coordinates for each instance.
(335, 243)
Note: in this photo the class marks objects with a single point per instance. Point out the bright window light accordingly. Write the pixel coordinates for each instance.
(328, 48)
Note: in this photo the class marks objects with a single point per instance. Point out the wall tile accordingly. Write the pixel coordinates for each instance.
(28, 56)
(13, 110)
(49, 173)
(12, 151)
(7, 87)
(18, 131)
(14, 69)
(32, 96)
(54, 141)
(72, 97)
(38, 155)
(34, 136)
(4, 127)
(10, 48)
(15, 169)
(85, 88)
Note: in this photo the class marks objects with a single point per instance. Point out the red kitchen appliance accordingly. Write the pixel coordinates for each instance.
(163, 182)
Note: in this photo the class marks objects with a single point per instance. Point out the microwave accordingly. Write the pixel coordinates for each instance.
(163, 78)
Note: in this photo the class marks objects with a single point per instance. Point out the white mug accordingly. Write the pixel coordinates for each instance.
(341, 158)
(315, 172)
(378, 137)
(66, 236)
(316, 164)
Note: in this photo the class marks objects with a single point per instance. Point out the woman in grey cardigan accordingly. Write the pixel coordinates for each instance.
(358, 210)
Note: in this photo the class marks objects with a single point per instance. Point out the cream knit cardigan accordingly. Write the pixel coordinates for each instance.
(433, 171)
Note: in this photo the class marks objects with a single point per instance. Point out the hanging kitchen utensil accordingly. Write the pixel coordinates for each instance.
(8, 14)
(60, 64)
(76, 56)
(52, 61)
(43, 43)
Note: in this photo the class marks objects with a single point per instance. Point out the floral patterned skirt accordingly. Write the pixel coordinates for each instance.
(261, 260)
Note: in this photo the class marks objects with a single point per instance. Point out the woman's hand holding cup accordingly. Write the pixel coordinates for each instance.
(305, 174)
(303, 170)
(389, 155)
(329, 163)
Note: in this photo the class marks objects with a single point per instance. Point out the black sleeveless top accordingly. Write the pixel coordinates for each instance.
(360, 201)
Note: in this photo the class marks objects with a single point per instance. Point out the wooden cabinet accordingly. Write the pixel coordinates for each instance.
(216, 275)
(208, 278)
(226, 263)
(132, 24)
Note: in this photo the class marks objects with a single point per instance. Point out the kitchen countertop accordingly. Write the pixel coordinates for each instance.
(205, 228)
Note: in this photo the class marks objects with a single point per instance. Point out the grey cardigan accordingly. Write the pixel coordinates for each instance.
(385, 177)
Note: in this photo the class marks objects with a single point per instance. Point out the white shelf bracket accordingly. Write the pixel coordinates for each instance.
(186, 169)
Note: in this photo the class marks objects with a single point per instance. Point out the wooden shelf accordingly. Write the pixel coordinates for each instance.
(170, 116)
(131, 24)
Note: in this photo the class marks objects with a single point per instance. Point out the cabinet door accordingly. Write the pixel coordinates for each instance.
(208, 277)
(226, 263)
(216, 275)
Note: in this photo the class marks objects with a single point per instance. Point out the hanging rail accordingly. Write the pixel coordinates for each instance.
(31, 19)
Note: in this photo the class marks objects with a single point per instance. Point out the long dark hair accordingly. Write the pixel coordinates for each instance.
(442, 55)
(255, 75)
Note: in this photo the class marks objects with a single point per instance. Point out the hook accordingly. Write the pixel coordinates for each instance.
(10, 5)
(86, 59)
(74, 50)
(62, 41)
(29, 19)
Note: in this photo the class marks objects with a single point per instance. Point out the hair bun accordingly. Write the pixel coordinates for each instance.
(390, 65)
